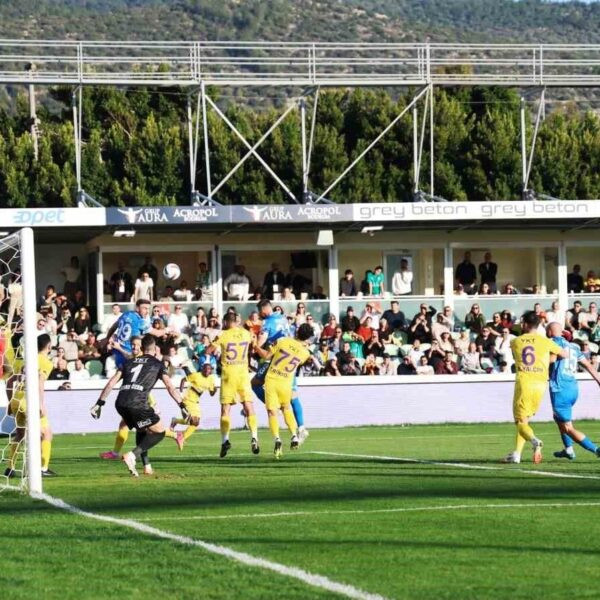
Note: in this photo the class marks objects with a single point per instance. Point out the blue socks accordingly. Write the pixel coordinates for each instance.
(588, 444)
(298, 413)
(566, 440)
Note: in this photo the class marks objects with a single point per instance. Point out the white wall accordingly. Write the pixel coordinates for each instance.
(50, 259)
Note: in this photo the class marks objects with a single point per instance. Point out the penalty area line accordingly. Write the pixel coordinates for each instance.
(318, 581)
(457, 465)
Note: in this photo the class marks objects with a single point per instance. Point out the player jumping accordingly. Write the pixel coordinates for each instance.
(286, 355)
(139, 375)
(531, 352)
(564, 391)
(235, 343)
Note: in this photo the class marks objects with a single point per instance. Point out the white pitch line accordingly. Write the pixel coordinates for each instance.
(409, 509)
(458, 465)
(318, 581)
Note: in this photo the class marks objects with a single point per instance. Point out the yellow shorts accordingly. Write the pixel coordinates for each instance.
(17, 410)
(278, 394)
(527, 399)
(236, 389)
(192, 406)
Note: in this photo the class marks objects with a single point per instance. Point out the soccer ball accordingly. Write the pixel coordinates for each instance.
(171, 272)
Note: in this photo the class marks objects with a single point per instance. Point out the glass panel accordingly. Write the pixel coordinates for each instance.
(189, 308)
(516, 304)
(408, 305)
(319, 309)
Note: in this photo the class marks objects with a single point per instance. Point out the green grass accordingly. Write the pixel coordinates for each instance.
(472, 552)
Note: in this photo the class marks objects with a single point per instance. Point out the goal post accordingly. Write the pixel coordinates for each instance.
(20, 447)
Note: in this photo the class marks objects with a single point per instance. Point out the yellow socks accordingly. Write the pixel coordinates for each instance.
(290, 420)
(253, 426)
(225, 427)
(121, 438)
(274, 425)
(524, 434)
(189, 431)
(170, 433)
(46, 451)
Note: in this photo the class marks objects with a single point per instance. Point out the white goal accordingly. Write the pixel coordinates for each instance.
(20, 460)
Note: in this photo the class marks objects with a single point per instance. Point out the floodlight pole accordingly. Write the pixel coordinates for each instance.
(431, 142)
(76, 101)
(206, 146)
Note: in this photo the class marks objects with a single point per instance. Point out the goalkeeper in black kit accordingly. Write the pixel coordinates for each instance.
(139, 375)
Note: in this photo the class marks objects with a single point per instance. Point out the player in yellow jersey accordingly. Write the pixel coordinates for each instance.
(532, 353)
(18, 409)
(286, 355)
(197, 384)
(235, 344)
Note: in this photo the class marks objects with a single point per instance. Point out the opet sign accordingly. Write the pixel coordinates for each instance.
(52, 217)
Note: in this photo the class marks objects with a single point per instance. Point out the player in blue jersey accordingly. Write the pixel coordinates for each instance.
(564, 391)
(275, 326)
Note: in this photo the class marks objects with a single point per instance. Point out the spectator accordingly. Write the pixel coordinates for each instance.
(585, 349)
(402, 280)
(406, 367)
(419, 329)
(415, 352)
(370, 367)
(167, 295)
(213, 329)
(60, 372)
(78, 301)
(365, 329)
(471, 360)
(331, 368)
(484, 289)
(461, 345)
(319, 294)
(503, 349)
(496, 324)
(460, 290)
(316, 328)
(149, 268)
(372, 311)
(144, 288)
(555, 314)
(591, 282)
(237, 284)
(449, 319)
(350, 320)
(329, 329)
(347, 362)
(121, 285)
(312, 367)
(594, 333)
(574, 316)
(109, 320)
(507, 319)
(273, 282)
(204, 282)
(322, 352)
(447, 366)
(385, 332)
(287, 295)
(488, 271)
(182, 293)
(465, 274)
(387, 366)
(178, 322)
(348, 285)
(72, 275)
(71, 346)
(80, 373)
(486, 343)
(435, 354)
(198, 322)
(60, 353)
(356, 342)
(446, 342)
(48, 301)
(575, 281)
(595, 360)
(439, 327)
(89, 350)
(394, 316)
(475, 320)
(373, 345)
(297, 283)
(510, 290)
(424, 368)
(337, 341)
(364, 284)
(257, 295)
(253, 323)
(82, 323)
(376, 282)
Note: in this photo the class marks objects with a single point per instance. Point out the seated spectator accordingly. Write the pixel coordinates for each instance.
(337, 341)
(199, 322)
(402, 280)
(376, 282)
(370, 367)
(460, 290)
(365, 329)
(506, 319)
(347, 362)
(109, 320)
(60, 353)
(158, 313)
(213, 329)
(589, 318)
(373, 345)
(406, 367)
(300, 316)
(329, 329)
(316, 329)
(486, 343)
(48, 300)
(387, 366)
(399, 337)
(428, 311)
(555, 314)
(60, 372)
(257, 295)
(318, 294)
(176, 361)
(178, 322)
(435, 354)
(447, 366)
(415, 352)
(80, 373)
(591, 282)
(503, 349)
(167, 295)
(594, 333)
(474, 320)
(82, 324)
(488, 271)
(89, 350)
(182, 293)
(143, 288)
(449, 319)
(447, 343)
(595, 361)
(471, 360)
(573, 316)
(585, 349)
(484, 290)
(312, 367)
(253, 323)
(439, 327)
(78, 301)
(466, 275)
(394, 316)
(350, 320)
(237, 284)
(331, 368)
(461, 345)
(510, 290)
(121, 284)
(496, 324)
(424, 368)
(385, 332)
(322, 352)
(65, 322)
(419, 329)
(348, 284)
(71, 346)
(371, 310)
(201, 346)
(575, 280)
(356, 342)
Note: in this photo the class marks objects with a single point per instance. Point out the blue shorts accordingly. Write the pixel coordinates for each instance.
(563, 402)
(119, 359)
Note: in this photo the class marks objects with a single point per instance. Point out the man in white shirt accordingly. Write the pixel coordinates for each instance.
(178, 322)
(237, 285)
(555, 314)
(109, 320)
(590, 317)
(371, 310)
(80, 373)
(144, 288)
(439, 327)
(402, 280)
(415, 353)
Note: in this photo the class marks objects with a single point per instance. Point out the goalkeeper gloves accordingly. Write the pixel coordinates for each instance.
(184, 411)
(96, 410)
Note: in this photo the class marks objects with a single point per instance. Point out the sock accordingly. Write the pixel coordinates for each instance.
(188, 432)
(525, 431)
(12, 454)
(225, 427)
(274, 426)
(567, 441)
(149, 440)
(253, 426)
(46, 450)
(520, 444)
(588, 444)
(121, 438)
(290, 421)
(139, 435)
(298, 412)
(170, 433)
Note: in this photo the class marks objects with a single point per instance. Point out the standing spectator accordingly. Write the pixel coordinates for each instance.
(149, 268)
(575, 280)
(424, 368)
(387, 366)
(364, 284)
(348, 285)
(447, 366)
(402, 280)
(237, 284)
(465, 274)
(79, 373)
(204, 282)
(144, 288)
(406, 367)
(60, 372)
(373, 345)
(394, 316)
(376, 281)
(471, 360)
(297, 283)
(488, 271)
(273, 282)
(72, 275)
(121, 285)
(370, 367)
(182, 293)
(475, 320)
(350, 320)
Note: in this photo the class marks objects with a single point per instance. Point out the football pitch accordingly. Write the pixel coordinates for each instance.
(392, 512)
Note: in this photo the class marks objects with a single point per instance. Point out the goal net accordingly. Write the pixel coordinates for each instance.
(19, 392)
